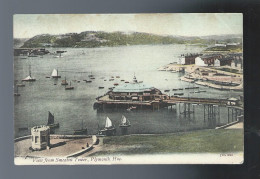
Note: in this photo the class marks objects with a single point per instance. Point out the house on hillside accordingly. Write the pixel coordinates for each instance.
(187, 59)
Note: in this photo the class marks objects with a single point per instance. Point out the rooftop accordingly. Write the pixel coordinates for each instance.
(133, 87)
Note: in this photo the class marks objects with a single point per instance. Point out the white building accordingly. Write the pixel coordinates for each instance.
(220, 45)
(233, 44)
(40, 137)
(200, 62)
(216, 63)
(181, 60)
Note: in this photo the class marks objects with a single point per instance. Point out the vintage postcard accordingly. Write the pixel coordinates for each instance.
(93, 89)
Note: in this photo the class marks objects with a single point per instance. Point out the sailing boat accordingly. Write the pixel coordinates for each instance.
(69, 87)
(51, 123)
(29, 78)
(81, 131)
(109, 129)
(64, 82)
(124, 122)
(54, 74)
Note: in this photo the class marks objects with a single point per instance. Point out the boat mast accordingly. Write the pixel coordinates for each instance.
(30, 70)
(82, 124)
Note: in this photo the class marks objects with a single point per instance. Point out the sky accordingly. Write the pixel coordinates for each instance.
(199, 24)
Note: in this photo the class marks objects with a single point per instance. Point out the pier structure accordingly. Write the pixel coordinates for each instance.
(137, 95)
(132, 95)
(234, 113)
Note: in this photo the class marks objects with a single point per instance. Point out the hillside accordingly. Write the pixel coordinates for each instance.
(98, 38)
(236, 49)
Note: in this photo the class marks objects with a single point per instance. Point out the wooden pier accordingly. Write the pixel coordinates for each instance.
(104, 101)
(184, 106)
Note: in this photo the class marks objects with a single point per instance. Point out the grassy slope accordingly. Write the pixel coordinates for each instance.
(204, 141)
(235, 49)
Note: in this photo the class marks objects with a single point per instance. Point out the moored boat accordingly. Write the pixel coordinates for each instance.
(131, 108)
(17, 93)
(51, 123)
(64, 82)
(29, 78)
(179, 94)
(69, 87)
(55, 74)
(109, 129)
(22, 128)
(124, 122)
(20, 85)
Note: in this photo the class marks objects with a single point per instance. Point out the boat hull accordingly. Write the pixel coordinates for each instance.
(69, 88)
(107, 132)
(30, 80)
(54, 125)
(22, 128)
(124, 125)
(56, 76)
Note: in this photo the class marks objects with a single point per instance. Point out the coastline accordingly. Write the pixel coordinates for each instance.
(209, 81)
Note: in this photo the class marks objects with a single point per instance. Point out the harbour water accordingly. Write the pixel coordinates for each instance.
(71, 108)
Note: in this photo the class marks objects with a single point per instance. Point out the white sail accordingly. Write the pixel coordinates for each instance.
(123, 119)
(28, 78)
(54, 72)
(108, 123)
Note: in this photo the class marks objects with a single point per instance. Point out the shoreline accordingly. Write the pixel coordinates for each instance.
(209, 80)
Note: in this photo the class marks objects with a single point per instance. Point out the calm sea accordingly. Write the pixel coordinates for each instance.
(71, 108)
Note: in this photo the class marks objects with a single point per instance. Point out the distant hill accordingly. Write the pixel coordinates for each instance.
(18, 42)
(98, 38)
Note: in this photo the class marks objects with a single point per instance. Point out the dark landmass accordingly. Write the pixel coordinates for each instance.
(237, 49)
(92, 39)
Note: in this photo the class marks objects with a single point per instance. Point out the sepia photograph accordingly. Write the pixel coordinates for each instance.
(102, 89)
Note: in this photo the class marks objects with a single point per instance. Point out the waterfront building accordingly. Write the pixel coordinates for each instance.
(132, 96)
(187, 59)
(209, 60)
(225, 61)
(136, 91)
(40, 137)
(233, 44)
(200, 62)
(237, 61)
(220, 45)
(216, 63)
